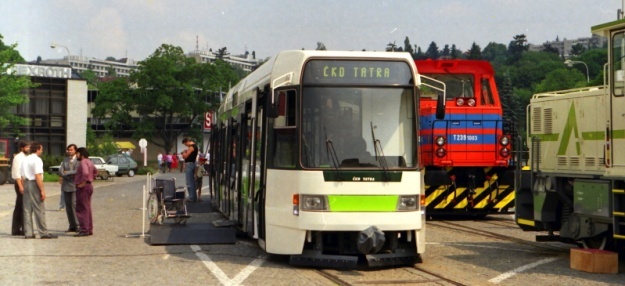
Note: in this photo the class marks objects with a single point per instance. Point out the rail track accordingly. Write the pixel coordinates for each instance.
(410, 276)
(457, 226)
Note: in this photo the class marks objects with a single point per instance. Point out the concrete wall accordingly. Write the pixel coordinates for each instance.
(77, 108)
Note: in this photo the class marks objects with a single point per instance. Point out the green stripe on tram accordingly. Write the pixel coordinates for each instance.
(362, 203)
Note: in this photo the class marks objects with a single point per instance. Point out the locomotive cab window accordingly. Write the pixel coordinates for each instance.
(618, 64)
(487, 94)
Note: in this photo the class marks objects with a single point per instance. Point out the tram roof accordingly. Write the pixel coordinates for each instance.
(605, 28)
(292, 61)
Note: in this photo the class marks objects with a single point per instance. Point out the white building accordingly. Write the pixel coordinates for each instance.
(121, 67)
(57, 107)
(246, 62)
(565, 46)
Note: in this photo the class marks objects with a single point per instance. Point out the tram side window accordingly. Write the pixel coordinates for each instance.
(283, 134)
(285, 100)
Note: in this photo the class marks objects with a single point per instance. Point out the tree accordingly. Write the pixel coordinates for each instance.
(550, 49)
(170, 95)
(408, 46)
(419, 55)
(11, 89)
(577, 49)
(321, 46)
(475, 53)
(432, 51)
(446, 52)
(496, 54)
(532, 68)
(560, 79)
(91, 78)
(517, 47)
(455, 53)
(392, 47)
(221, 52)
(508, 102)
(115, 101)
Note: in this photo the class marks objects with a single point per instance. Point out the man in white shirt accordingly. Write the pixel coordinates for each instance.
(34, 194)
(17, 228)
(159, 158)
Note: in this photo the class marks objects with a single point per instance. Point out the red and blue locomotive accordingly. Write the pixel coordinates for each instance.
(468, 154)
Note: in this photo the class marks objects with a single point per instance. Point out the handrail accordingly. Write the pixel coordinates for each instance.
(568, 91)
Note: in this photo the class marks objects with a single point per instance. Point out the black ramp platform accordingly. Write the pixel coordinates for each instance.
(199, 229)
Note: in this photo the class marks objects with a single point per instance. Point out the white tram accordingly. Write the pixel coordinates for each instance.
(315, 155)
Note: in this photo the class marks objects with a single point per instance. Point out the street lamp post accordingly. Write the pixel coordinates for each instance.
(570, 63)
(54, 46)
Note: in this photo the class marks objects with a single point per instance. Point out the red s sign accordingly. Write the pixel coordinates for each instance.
(208, 121)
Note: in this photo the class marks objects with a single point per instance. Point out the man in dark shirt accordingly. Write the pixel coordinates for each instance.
(85, 173)
(190, 155)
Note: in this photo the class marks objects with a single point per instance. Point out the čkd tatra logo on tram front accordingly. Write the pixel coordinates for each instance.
(363, 179)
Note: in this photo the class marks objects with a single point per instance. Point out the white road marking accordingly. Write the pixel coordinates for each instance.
(513, 272)
(220, 275)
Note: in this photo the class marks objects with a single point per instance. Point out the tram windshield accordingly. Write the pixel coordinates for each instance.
(354, 127)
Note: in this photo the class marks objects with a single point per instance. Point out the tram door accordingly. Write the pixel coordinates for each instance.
(617, 99)
(231, 169)
(247, 143)
(251, 169)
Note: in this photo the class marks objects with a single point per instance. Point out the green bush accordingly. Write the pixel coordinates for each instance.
(50, 160)
(47, 177)
(145, 170)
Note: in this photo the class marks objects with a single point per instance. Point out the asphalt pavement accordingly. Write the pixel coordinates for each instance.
(119, 251)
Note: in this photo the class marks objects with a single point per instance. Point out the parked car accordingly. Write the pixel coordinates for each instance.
(126, 165)
(104, 170)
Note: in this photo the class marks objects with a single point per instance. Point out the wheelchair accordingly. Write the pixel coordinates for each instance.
(167, 201)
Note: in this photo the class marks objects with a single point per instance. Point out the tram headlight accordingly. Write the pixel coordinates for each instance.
(440, 140)
(471, 102)
(504, 140)
(313, 203)
(407, 203)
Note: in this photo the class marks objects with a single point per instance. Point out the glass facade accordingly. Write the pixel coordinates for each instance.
(47, 114)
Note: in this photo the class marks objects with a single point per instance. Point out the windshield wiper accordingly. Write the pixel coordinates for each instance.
(379, 153)
(332, 152)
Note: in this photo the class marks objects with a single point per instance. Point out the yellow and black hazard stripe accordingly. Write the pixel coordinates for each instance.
(493, 196)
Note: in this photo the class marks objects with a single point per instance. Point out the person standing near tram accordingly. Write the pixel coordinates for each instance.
(34, 194)
(190, 155)
(85, 173)
(16, 173)
(68, 189)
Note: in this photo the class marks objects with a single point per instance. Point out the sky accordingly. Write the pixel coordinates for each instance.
(136, 28)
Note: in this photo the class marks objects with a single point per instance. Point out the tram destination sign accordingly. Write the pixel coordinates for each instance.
(351, 72)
